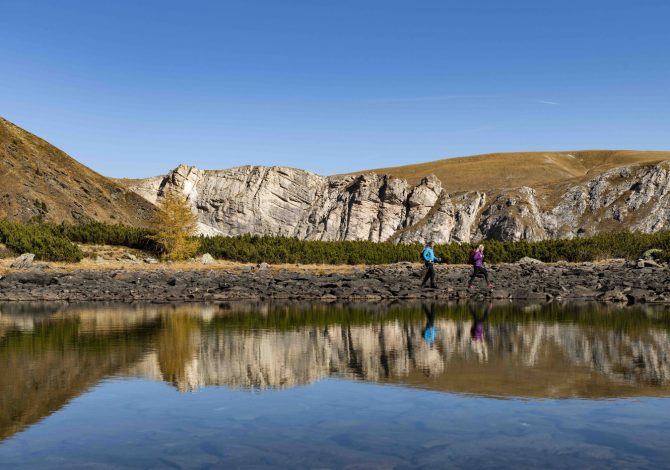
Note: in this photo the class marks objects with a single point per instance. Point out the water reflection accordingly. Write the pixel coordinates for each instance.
(429, 331)
(52, 353)
(477, 332)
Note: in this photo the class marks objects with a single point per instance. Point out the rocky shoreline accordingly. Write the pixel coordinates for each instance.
(612, 281)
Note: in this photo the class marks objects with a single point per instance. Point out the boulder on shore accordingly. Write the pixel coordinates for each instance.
(529, 260)
(23, 262)
(128, 257)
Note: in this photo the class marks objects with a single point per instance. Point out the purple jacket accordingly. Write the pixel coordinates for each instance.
(479, 259)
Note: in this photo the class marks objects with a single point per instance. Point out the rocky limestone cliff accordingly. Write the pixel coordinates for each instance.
(375, 207)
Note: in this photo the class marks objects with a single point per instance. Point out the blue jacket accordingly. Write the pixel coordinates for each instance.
(429, 335)
(429, 255)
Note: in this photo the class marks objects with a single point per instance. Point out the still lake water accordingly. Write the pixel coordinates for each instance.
(334, 386)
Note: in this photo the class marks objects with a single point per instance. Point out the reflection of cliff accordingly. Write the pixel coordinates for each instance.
(532, 359)
(53, 354)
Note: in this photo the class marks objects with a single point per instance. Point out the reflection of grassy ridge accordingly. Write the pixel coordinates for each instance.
(628, 320)
(288, 317)
(43, 369)
(65, 334)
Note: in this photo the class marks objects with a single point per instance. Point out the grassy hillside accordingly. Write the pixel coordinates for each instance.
(40, 182)
(496, 171)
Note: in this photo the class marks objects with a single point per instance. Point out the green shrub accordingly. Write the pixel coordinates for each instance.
(54, 242)
(41, 240)
(255, 249)
(98, 233)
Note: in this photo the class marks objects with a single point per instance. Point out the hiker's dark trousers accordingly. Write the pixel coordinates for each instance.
(479, 271)
(430, 274)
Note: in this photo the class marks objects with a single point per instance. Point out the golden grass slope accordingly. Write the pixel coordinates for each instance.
(40, 182)
(497, 171)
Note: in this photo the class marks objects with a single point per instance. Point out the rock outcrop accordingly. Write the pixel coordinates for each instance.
(376, 207)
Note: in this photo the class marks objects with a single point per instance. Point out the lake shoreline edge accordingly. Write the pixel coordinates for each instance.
(616, 281)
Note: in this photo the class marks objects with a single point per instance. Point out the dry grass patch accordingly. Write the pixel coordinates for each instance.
(497, 171)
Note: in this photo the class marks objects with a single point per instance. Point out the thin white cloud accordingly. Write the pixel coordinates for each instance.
(471, 130)
(413, 99)
(553, 103)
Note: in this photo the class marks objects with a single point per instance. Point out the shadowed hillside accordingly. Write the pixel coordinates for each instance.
(40, 182)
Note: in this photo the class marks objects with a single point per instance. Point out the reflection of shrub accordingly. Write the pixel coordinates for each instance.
(176, 347)
(44, 241)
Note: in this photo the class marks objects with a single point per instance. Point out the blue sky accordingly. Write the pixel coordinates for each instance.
(133, 88)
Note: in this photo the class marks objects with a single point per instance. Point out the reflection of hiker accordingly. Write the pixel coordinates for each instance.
(477, 328)
(429, 258)
(429, 331)
(477, 334)
(478, 269)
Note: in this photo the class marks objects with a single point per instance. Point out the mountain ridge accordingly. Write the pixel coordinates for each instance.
(287, 202)
(39, 182)
(506, 196)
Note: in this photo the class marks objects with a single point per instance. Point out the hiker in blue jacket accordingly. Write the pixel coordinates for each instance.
(429, 259)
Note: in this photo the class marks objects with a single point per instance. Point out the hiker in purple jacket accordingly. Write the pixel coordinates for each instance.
(478, 269)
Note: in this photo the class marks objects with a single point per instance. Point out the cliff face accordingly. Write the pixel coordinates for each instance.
(376, 207)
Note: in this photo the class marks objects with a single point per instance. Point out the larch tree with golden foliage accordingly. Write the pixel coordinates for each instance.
(176, 224)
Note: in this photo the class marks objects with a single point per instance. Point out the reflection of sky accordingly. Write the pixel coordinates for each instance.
(333, 423)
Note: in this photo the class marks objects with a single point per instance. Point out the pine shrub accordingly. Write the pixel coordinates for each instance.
(40, 239)
(54, 242)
